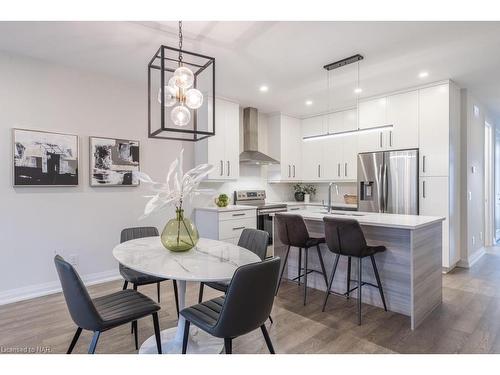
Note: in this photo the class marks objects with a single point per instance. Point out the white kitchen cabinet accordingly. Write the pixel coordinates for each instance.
(434, 130)
(342, 121)
(434, 202)
(373, 141)
(373, 113)
(340, 156)
(285, 145)
(222, 149)
(312, 151)
(224, 224)
(402, 113)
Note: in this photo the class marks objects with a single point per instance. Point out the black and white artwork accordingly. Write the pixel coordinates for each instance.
(113, 161)
(44, 158)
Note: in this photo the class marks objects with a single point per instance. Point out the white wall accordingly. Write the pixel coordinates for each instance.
(473, 216)
(37, 222)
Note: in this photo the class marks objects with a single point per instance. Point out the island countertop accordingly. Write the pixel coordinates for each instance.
(371, 218)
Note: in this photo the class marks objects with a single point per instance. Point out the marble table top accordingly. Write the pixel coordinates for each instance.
(209, 260)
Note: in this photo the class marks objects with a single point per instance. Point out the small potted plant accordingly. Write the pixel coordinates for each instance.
(308, 191)
(222, 200)
(299, 192)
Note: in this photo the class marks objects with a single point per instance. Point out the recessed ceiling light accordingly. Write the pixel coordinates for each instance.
(423, 74)
(309, 102)
(264, 88)
(358, 90)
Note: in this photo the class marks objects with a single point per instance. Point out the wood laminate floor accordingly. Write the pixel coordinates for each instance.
(468, 321)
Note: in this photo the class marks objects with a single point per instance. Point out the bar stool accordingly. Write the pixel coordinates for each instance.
(293, 233)
(345, 237)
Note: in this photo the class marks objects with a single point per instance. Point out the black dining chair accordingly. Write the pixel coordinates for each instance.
(345, 237)
(102, 313)
(137, 278)
(245, 307)
(251, 239)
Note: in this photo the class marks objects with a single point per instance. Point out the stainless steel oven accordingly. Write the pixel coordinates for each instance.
(257, 198)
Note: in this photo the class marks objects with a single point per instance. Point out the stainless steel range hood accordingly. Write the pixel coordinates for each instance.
(250, 154)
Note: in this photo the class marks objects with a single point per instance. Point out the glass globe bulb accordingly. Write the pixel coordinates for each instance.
(170, 93)
(180, 115)
(184, 77)
(194, 98)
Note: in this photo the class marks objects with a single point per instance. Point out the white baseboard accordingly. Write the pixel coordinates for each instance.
(471, 260)
(33, 291)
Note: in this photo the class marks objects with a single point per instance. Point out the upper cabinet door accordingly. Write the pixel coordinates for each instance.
(215, 154)
(373, 113)
(350, 157)
(312, 151)
(232, 141)
(434, 138)
(350, 119)
(402, 113)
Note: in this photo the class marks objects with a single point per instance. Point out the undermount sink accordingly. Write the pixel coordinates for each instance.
(340, 213)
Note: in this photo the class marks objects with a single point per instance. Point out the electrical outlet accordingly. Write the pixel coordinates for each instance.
(73, 259)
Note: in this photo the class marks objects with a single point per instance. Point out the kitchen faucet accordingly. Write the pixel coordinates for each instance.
(330, 194)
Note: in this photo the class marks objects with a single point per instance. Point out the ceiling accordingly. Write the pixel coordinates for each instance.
(286, 56)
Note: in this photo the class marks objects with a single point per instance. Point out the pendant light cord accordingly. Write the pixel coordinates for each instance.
(357, 99)
(180, 43)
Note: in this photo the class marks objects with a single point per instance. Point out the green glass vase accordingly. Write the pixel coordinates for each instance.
(180, 234)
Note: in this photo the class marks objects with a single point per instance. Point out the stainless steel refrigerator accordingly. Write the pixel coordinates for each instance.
(388, 182)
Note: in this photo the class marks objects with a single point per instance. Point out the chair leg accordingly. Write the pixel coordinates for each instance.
(75, 339)
(176, 294)
(156, 325)
(135, 287)
(322, 265)
(348, 276)
(158, 290)
(228, 345)
(93, 343)
(125, 285)
(200, 293)
(134, 324)
(185, 337)
(380, 289)
(271, 319)
(283, 269)
(299, 266)
(268, 339)
(331, 281)
(306, 255)
(360, 282)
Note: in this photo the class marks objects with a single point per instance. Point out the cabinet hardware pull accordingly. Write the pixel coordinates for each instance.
(319, 170)
(423, 189)
(221, 168)
(294, 171)
(338, 169)
(228, 168)
(295, 209)
(345, 170)
(238, 228)
(380, 137)
(390, 138)
(423, 163)
(242, 214)
(289, 171)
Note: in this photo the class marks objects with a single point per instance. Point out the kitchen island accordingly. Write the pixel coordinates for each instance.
(410, 269)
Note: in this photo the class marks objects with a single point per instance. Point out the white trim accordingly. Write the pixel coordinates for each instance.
(38, 290)
(471, 260)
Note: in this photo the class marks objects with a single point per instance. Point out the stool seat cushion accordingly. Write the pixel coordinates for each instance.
(311, 242)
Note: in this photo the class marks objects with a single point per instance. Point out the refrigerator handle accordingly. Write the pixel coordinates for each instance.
(381, 187)
(385, 187)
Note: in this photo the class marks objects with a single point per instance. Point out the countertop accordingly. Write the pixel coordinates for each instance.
(372, 218)
(315, 203)
(228, 208)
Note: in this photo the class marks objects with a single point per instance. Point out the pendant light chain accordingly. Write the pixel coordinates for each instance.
(180, 43)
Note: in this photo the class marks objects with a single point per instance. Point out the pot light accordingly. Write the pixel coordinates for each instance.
(263, 88)
(309, 102)
(358, 90)
(423, 75)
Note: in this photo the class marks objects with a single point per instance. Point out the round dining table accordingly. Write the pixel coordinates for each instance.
(210, 260)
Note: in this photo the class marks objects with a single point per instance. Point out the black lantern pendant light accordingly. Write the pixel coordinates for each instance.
(181, 91)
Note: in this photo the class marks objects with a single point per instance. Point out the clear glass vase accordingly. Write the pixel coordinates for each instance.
(180, 234)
